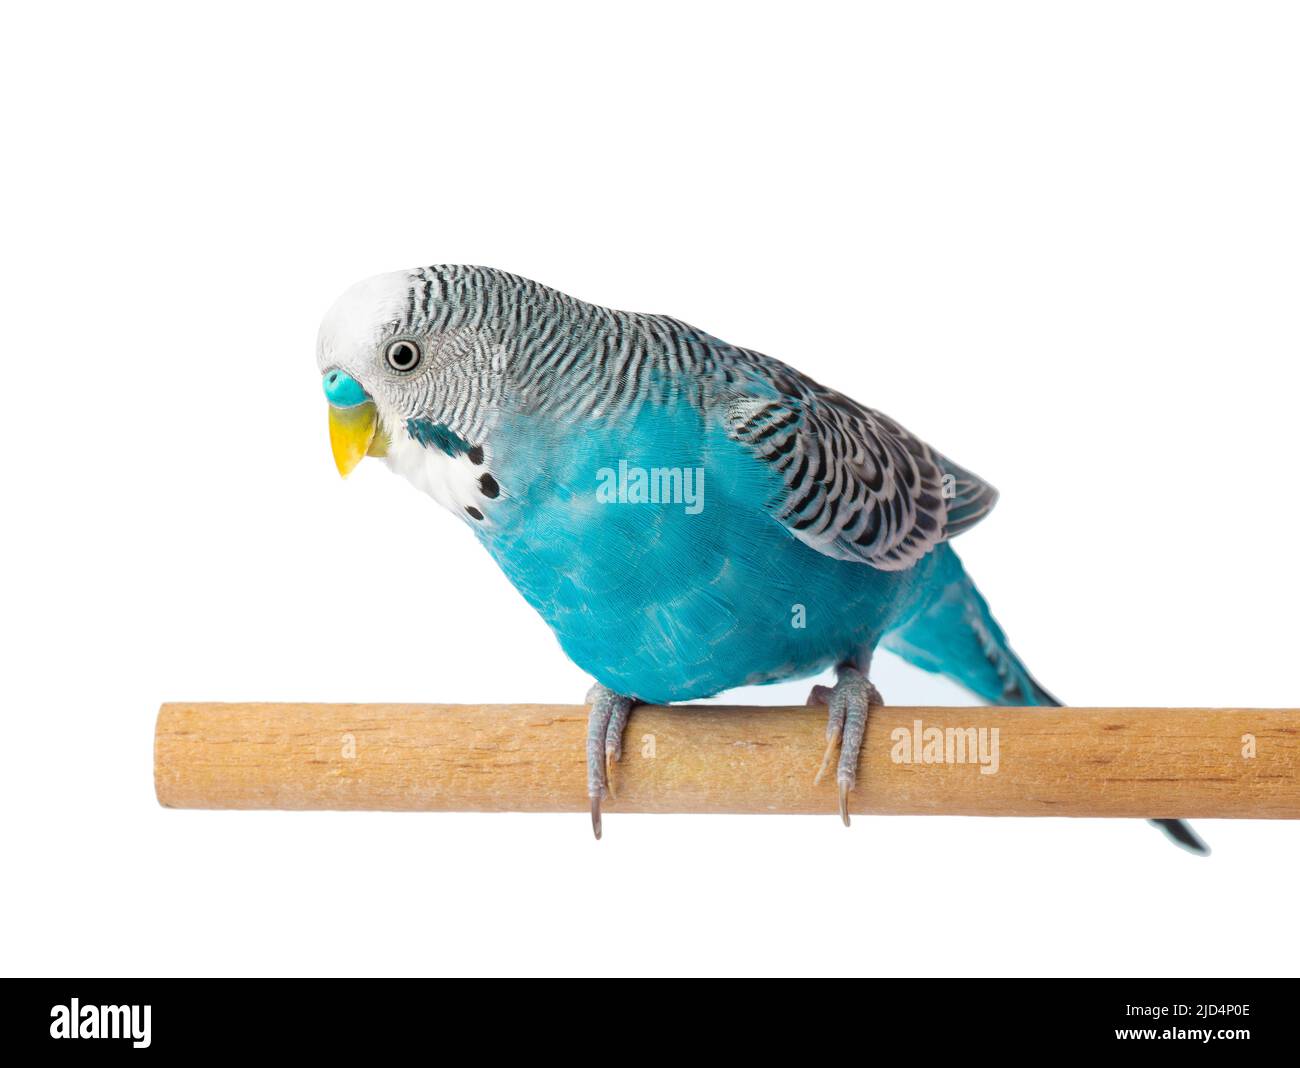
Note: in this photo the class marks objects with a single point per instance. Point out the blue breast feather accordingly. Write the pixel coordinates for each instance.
(664, 605)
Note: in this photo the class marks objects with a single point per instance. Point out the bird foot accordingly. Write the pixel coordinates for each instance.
(849, 701)
(606, 722)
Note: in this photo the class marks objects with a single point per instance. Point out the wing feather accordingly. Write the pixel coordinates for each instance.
(857, 485)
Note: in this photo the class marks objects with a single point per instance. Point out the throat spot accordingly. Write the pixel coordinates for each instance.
(455, 477)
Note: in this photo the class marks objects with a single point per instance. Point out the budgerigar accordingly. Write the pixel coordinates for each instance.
(687, 515)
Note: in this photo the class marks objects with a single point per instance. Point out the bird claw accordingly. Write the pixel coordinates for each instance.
(606, 722)
(832, 743)
(848, 703)
(611, 758)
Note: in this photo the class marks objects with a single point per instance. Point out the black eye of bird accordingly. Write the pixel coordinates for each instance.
(403, 355)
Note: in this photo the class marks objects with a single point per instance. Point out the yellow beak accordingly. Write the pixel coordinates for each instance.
(354, 434)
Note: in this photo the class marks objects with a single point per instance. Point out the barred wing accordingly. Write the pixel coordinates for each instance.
(857, 486)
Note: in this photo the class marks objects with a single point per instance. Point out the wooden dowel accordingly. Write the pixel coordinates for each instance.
(1208, 763)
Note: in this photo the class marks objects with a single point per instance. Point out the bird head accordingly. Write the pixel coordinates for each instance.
(374, 373)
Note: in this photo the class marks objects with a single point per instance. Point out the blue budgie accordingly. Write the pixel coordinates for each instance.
(687, 515)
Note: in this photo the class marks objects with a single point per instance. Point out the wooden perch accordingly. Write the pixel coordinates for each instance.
(1207, 763)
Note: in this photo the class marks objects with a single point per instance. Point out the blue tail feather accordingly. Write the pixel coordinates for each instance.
(954, 634)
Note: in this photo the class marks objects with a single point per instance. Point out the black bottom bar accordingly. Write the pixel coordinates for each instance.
(1236, 1017)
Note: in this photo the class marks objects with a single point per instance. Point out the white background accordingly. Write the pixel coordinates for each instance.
(1058, 241)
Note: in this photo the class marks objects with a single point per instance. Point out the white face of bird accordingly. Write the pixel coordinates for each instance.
(369, 371)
